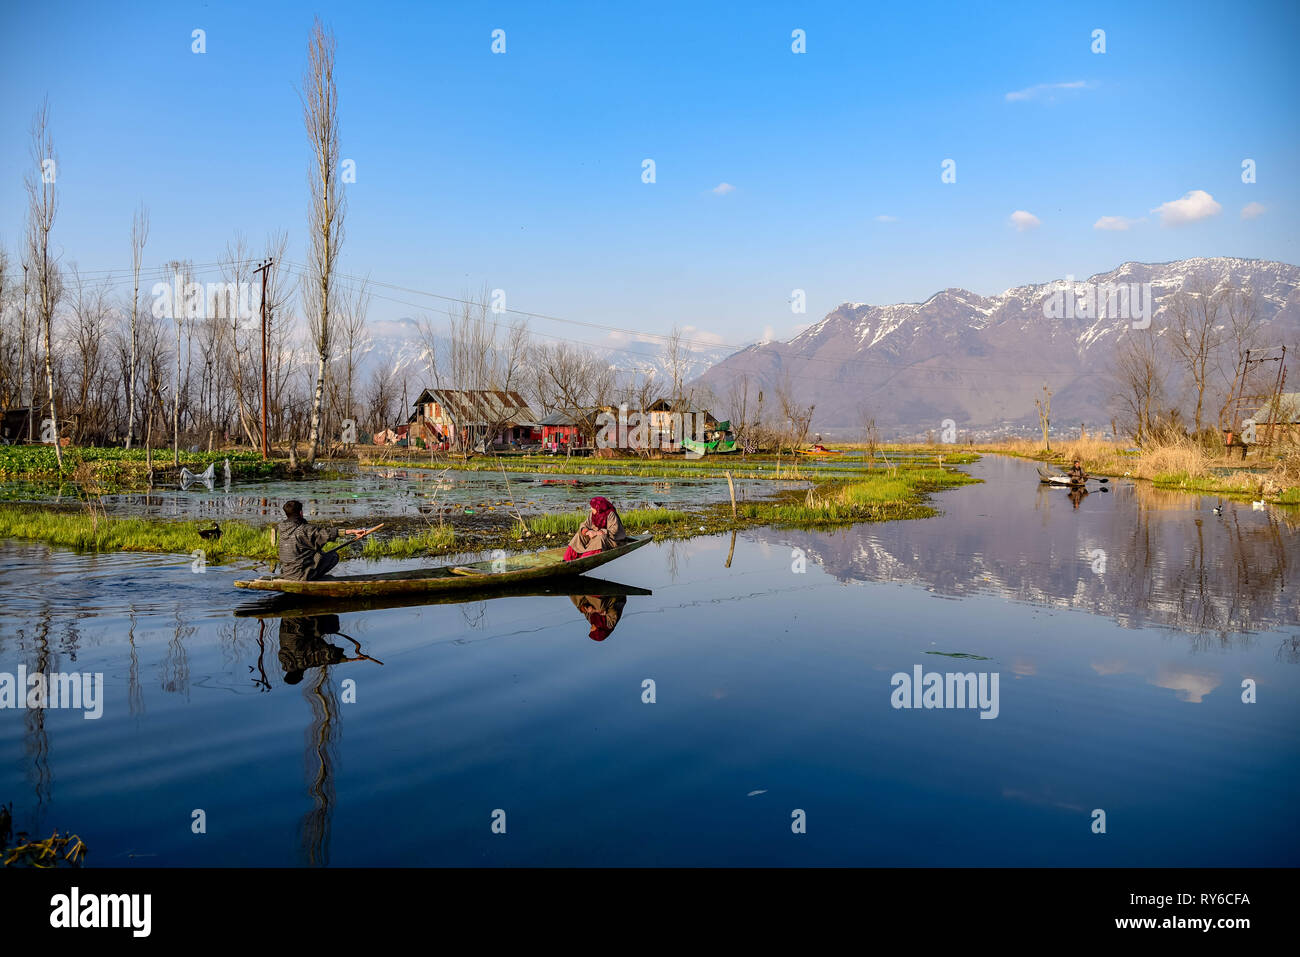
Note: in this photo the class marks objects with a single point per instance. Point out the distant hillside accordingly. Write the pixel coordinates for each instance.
(981, 360)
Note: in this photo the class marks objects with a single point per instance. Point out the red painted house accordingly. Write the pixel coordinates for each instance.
(561, 430)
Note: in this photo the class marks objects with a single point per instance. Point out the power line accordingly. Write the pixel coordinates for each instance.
(894, 370)
(300, 270)
(703, 343)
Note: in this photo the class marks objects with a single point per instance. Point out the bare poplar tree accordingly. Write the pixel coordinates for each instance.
(22, 355)
(1140, 381)
(320, 109)
(675, 359)
(279, 355)
(236, 361)
(41, 208)
(798, 418)
(139, 236)
(1044, 407)
(380, 395)
(180, 289)
(426, 331)
(9, 361)
(355, 308)
(1195, 336)
(1242, 334)
(88, 330)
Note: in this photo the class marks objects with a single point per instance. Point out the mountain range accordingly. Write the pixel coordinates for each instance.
(982, 360)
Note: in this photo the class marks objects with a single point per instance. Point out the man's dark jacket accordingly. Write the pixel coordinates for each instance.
(300, 544)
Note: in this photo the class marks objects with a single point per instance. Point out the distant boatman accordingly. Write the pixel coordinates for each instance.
(301, 545)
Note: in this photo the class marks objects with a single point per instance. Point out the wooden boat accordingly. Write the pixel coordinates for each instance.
(1065, 480)
(815, 450)
(298, 606)
(1047, 477)
(514, 568)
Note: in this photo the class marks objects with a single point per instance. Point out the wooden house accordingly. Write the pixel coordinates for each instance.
(1278, 423)
(470, 418)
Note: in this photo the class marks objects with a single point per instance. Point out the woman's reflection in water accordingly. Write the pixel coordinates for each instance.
(601, 611)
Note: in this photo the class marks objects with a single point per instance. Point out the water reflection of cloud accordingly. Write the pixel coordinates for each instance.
(1111, 666)
(1023, 667)
(1192, 686)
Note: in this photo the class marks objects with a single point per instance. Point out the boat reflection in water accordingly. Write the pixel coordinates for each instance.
(307, 656)
(293, 606)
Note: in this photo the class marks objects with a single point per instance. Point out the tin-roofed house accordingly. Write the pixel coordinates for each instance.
(470, 419)
(670, 423)
(1278, 422)
(564, 431)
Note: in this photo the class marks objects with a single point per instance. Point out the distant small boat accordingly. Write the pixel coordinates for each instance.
(820, 450)
(477, 575)
(1048, 477)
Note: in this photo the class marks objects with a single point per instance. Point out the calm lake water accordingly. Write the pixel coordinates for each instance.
(398, 493)
(1121, 628)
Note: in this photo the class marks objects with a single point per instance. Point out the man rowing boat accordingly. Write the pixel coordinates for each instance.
(1076, 474)
(301, 545)
(599, 532)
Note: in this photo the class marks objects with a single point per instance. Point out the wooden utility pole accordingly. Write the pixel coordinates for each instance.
(1252, 402)
(266, 265)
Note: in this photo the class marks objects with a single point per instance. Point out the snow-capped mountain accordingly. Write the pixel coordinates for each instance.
(982, 360)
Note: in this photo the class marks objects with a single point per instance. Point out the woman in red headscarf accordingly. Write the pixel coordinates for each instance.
(599, 532)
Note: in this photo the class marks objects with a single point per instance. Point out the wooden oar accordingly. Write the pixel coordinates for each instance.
(358, 538)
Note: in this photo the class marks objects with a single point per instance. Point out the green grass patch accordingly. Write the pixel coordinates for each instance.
(95, 533)
(86, 532)
(886, 496)
(115, 466)
(784, 468)
(438, 538)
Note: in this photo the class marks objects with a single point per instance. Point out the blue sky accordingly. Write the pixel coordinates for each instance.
(522, 171)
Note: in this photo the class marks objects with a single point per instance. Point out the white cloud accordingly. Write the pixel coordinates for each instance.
(700, 339)
(1253, 210)
(886, 218)
(1197, 204)
(1023, 220)
(1115, 223)
(769, 333)
(1044, 91)
(723, 189)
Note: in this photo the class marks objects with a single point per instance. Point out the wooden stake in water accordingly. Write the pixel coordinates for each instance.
(732, 486)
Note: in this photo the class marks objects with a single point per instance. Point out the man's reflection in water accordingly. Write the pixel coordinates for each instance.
(303, 645)
(1077, 493)
(601, 611)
